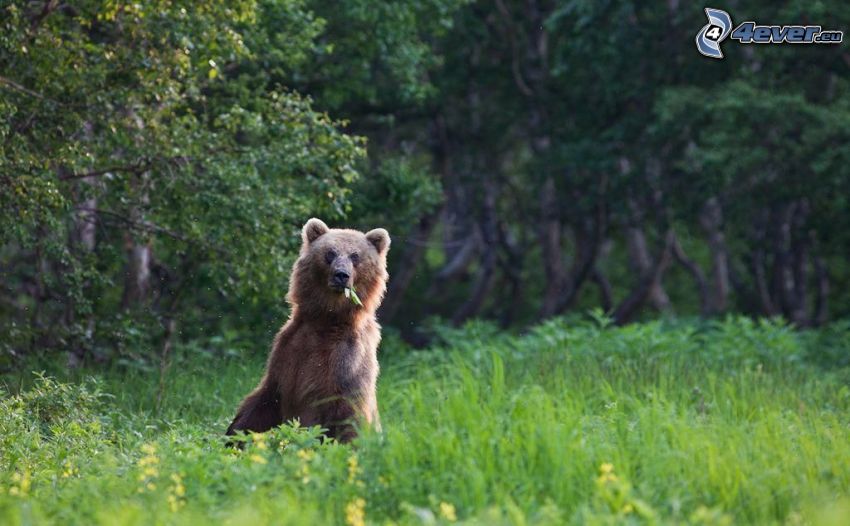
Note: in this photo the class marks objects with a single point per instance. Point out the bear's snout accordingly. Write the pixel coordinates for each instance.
(340, 278)
(341, 272)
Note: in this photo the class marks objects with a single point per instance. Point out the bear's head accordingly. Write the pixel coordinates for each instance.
(333, 259)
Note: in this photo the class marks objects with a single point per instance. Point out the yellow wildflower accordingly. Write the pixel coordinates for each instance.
(149, 470)
(149, 460)
(355, 512)
(447, 511)
(353, 468)
(606, 474)
(306, 455)
(177, 492)
(604, 479)
(178, 488)
(70, 470)
(259, 441)
(22, 484)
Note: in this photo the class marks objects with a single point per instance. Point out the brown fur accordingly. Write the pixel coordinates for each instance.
(323, 365)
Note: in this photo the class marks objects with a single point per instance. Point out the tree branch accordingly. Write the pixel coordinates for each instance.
(629, 306)
(48, 8)
(17, 87)
(137, 168)
(695, 271)
(145, 226)
(515, 65)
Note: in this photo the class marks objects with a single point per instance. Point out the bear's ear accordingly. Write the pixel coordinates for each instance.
(380, 238)
(313, 229)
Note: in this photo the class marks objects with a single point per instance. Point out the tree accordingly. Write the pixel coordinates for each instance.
(140, 120)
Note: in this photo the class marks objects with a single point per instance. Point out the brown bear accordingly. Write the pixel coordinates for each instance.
(323, 364)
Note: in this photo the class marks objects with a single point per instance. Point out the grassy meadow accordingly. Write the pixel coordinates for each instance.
(573, 422)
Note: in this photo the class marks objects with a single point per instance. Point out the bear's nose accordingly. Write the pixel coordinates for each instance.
(341, 277)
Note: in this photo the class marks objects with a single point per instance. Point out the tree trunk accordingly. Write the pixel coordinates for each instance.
(636, 246)
(532, 80)
(782, 277)
(799, 313)
(627, 308)
(137, 273)
(758, 265)
(511, 262)
(606, 296)
(83, 239)
(138, 247)
(464, 251)
(38, 291)
(642, 264)
(550, 243)
(486, 273)
(821, 314)
(588, 234)
(696, 272)
(84, 232)
(711, 221)
(413, 249)
(480, 290)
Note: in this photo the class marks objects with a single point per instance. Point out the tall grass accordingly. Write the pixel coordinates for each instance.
(735, 422)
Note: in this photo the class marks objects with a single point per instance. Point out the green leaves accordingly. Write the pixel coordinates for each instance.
(158, 124)
(351, 293)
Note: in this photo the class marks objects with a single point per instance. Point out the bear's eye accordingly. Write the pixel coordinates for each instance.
(355, 258)
(330, 255)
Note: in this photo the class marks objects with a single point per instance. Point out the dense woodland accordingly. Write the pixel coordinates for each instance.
(619, 278)
(530, 159)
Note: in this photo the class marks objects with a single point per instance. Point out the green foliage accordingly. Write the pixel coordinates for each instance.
(721, 423)
(398, 191)
(157, 124)
(638, 132)
(46, 433)
(377, 54)
(801, 145)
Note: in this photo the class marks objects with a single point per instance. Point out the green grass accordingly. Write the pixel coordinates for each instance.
(738, 422)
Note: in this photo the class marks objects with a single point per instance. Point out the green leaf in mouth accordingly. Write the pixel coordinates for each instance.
(351, 294)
